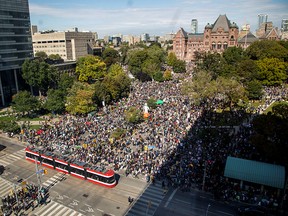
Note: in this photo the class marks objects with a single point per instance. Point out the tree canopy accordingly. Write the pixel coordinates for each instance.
(90, 68)
(272, 71)
(55, 102)
(80, 99)
(24, 102)
(267, 49)
(110, 56)
(39, 74)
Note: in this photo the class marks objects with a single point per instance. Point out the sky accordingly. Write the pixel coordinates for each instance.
(155, 17)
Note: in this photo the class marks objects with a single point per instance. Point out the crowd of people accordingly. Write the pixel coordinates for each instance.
(22, 199)
(176, 144)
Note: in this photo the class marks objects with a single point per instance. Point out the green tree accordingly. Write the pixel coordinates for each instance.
(247, 70)
(65, 82)
(167, 75)
(280, 109)
(201, 89)
(133, 115)
(231, 91)
(9, 126)
(171, 59)
(55, 101)
(254, 89)
(150, 67)
(270, 138)
(272, 71)
(156, 54)
(267, 49)
(54, 57)
(158, 76)
(110, 56)
(39, 74)
(101, 94)
(233, 55)
(136, 58)
(212, 63)
(80, 99)
(23, 102)
(179, 66)
(90, 68)
(117, 83)
(124, 53)
(42, 55)
(151, 103)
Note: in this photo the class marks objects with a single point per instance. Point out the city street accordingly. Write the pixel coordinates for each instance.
(73, 196)
(193, 203)
(69, 195)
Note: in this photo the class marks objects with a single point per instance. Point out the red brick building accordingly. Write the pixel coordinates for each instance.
(216, 38)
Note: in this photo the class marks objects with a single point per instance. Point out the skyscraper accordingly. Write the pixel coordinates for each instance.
(15, 46)
(262, 18)
(194, 26)
(284, 25)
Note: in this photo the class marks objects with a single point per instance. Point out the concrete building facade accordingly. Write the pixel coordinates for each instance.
(70, 45)
(216, 38)
(15, 46)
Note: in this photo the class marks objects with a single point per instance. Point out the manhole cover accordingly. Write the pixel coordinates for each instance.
(85, 195)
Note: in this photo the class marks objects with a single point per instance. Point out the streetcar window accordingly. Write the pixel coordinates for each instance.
(61, 166)
(111, 179)
(47, 161)
(32, 156)
(77, 171)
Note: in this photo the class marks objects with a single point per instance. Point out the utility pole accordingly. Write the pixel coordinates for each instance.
(207, 209)
(204, 176)
(38, 178)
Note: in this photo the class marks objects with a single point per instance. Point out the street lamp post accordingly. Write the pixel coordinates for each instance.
(207, 209)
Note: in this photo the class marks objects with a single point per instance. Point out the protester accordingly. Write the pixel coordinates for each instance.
(171, 144)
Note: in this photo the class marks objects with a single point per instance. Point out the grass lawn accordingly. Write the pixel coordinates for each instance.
(269, 109)
(13, 118)
(36, 127)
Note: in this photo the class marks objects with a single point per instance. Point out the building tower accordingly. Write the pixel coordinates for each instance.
(34, 29)
(284, 25)
(15, 46)
(262, 18)
(194, 26)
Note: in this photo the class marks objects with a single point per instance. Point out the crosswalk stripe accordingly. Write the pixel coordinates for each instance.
(74, 213)
(53, 207)
(67, 212)
(60, 212)
(154, 195)
(13, 156)
(45, 184)
(54, 210)
(4, 163)
(5, 192)
(46, 208)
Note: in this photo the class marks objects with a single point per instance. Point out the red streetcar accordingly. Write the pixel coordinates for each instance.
(82, 170)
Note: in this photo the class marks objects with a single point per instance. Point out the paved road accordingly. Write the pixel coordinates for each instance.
(69, 195)
(193, 203)
(73, 196)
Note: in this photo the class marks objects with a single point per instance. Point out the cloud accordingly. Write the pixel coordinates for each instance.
(130, 19)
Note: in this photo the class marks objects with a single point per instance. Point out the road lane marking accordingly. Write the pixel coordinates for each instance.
(100, 210)
(170, 198)
(182, 201)
(224, 213)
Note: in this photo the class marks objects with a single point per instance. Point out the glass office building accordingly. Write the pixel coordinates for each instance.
(15, 46)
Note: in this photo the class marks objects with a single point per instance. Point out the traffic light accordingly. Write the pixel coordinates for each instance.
(45, 171)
